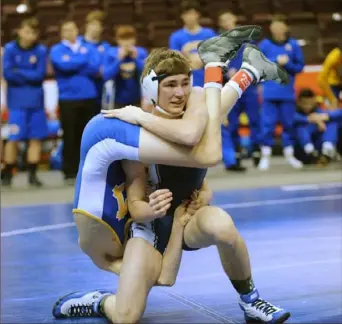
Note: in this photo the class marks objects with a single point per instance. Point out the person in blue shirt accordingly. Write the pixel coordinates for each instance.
(24, 68)
(315, 135)
(123, 66)
(186, 39)
(248, 103)
(92, 36)
(279, 100)
(76, 65)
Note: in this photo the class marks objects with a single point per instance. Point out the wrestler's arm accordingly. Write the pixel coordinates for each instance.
(187, 130)
(173, 255)
(207, 153)
(136, 179)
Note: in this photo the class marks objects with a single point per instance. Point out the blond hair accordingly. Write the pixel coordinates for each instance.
(166, 61)
(95, 15)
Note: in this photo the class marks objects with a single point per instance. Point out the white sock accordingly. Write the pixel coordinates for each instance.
(328, 149)
(309, 148)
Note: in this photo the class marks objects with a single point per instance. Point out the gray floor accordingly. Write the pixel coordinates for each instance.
(55, 191)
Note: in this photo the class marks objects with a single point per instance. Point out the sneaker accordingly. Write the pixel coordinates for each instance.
(6, 179)
(34, 181)
(224, 47)
(256, 155)
(294, 163)
(236, 168)
(262, 68)
(264, 163)
(79, 304)
(261, 311)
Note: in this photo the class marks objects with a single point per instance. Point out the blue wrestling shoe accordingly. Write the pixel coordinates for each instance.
(79, 304)
(258, 310)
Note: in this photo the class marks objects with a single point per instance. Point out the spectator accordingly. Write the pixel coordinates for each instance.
(186, 39)
(24, 70)
(92, 37)
(123, 65)
(249, 104)
(316, 137)
(330, 79)
(279, 100)
(76, 65)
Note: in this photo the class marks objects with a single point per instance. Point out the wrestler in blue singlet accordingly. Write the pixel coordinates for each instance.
(100, 185)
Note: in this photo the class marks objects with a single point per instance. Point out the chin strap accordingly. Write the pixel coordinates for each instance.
(161, 110)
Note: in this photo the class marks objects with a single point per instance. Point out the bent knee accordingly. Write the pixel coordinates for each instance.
(218, 224)
(130, 315)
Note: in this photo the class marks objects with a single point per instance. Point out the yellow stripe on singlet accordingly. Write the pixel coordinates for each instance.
(101, 221)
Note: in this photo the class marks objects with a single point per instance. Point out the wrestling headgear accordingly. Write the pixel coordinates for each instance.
(150, 85)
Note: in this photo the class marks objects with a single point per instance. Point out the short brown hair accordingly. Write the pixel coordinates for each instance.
(30, 22)
(125, 32)
(279, 18)
(95, 15)
(188, 5)
(166, 61)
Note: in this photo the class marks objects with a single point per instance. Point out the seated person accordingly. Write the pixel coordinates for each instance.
(315, 134)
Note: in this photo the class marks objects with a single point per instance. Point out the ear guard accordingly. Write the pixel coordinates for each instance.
(150, 86)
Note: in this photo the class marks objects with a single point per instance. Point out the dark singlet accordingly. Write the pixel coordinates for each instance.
(182, 182)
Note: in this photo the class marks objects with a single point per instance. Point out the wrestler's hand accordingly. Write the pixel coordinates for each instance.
(160, 202)
(129, 114)
(181, 216)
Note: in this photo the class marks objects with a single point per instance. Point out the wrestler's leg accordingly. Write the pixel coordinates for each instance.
(98, 242)
(213, 226)
(139, 272)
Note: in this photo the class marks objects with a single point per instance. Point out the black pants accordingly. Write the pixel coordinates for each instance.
(74, 115)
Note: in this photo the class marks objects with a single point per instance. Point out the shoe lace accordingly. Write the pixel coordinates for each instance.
(264, 306)
(83, 309)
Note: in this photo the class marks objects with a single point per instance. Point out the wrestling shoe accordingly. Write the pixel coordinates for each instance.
(258, 310)
(262, 68)
(224, 47)
(79, 304)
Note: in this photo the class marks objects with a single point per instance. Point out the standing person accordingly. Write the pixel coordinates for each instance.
(249, 104)
(279, 100)
(24, 70)
(186, 39)
(330, 77)
(123, 65)
(93, 37)
(76, 64)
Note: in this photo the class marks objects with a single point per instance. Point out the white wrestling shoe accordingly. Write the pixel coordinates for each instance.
(79, 304)
(258, 310)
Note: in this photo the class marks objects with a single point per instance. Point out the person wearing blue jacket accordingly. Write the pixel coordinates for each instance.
(76, 65)
(316, 136)
(123, 66)
(279, 100)
(248, 103)
(92, 37)
(186, 39)
(24, 69)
